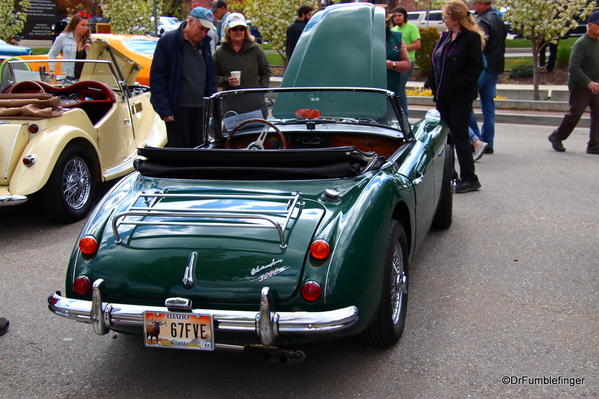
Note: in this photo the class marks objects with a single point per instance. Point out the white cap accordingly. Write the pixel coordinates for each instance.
(236, 19)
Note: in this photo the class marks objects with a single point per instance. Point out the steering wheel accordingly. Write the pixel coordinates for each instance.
(26, 85)
(259, 143)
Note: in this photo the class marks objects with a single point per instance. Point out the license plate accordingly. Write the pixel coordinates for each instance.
(179, 330)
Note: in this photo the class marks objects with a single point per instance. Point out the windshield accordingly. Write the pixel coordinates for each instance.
(59, 72)
(366, 118)
(141, 46)
(370, 107)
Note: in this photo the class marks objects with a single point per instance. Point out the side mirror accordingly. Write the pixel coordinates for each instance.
(433, 117)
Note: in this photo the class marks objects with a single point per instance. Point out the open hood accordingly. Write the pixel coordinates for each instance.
(125, 66)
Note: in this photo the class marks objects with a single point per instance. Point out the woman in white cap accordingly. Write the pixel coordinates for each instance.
(240, 52)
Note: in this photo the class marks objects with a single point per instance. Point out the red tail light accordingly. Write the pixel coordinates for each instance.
(29, 160)
(320, 249)
(82, 285)
(88, 245)
(311, 291)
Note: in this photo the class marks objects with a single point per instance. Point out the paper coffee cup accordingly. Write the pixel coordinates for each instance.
(236, 74)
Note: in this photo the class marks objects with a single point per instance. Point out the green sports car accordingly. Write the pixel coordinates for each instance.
(295, 221)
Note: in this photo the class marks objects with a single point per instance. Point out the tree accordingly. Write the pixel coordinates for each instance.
(131, 16)
(544, 21)
(273, 17)
(11, 21)
(71, 7)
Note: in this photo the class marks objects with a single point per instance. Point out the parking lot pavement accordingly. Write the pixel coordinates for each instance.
(504, 304)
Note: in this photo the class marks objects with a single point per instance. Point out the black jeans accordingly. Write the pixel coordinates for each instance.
(186, 130)
(456, 113)
(580, 99)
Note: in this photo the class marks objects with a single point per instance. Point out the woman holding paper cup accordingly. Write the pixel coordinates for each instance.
(240, 62)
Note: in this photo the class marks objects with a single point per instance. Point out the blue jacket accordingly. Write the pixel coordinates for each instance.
(165, 73)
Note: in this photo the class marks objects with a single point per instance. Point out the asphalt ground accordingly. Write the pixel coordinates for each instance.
(504, 304)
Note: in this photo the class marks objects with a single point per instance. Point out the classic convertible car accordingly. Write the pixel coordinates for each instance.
(60, 135)
(295, 221)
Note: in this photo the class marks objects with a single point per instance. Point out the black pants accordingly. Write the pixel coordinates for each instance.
(456, 113)
(186, 131)
(552, 56)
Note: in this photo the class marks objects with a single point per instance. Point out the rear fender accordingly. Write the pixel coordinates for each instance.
(47, 145)
(355, 272)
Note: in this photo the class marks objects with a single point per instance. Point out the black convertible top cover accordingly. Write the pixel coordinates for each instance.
(236, 164)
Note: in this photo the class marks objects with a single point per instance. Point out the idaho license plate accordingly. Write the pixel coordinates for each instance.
(179, 330)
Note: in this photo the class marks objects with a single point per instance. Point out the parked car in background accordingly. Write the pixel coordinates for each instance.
(255, 32)
(294, 221)
(60, 136)
(10, 50)
(427, 19)
(165, 24)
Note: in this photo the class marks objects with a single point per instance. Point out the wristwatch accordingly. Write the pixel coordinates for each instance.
(393, 67)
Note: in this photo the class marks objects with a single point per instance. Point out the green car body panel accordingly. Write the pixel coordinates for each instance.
(222, 265)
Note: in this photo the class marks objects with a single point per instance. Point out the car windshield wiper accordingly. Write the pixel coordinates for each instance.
(358, 120)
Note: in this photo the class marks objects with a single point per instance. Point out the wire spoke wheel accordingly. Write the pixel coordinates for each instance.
(76, 183)
(389, 324)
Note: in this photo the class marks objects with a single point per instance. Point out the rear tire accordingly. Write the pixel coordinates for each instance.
(444, 213)
(69, 192)
(389, 324)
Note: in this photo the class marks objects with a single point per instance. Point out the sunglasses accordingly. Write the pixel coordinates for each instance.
(238, 29)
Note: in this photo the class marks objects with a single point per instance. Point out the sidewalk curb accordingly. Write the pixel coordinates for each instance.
(524, 111)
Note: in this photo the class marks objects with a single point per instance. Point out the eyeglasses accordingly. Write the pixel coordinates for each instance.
(238, 29)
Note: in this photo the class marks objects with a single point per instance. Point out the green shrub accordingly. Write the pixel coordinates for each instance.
(563, 54)
(521, 71)
(428, 39)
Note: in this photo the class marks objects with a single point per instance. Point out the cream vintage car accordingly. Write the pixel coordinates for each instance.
(60, 136)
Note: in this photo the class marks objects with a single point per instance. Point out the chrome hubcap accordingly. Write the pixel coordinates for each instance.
(399, 286)
(76, 183)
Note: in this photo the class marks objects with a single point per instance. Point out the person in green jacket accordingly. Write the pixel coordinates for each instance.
(240, 52)
(583, 83)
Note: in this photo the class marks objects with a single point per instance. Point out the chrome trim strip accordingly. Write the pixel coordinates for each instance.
(230, 320)
(8, 200)
(188, 276)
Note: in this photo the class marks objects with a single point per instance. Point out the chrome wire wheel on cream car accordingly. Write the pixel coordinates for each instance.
(391, 319)
(70, 189)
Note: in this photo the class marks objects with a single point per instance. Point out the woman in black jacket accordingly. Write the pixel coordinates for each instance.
(457, 63)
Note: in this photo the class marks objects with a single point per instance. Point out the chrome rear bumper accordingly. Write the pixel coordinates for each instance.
(267, 323)
(7, 200)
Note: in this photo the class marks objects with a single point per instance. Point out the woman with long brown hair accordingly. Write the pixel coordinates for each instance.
(457, 64)
(73, 43)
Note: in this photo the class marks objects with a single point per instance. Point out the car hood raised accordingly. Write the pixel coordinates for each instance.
(102, 50)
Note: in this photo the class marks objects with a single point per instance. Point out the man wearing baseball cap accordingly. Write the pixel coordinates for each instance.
(182, 74)
(583, 83)
(221, 12)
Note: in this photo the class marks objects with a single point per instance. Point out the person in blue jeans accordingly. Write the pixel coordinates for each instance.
(494, 52)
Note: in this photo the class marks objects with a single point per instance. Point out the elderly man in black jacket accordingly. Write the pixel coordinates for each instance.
(182, 74)
(494, 51)
(294, 31)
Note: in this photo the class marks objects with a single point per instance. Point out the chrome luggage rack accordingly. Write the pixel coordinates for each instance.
(153, 207)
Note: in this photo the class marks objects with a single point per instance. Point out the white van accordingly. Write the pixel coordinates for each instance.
(427, 19)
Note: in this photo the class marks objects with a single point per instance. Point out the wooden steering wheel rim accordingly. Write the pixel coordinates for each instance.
(236, 128)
